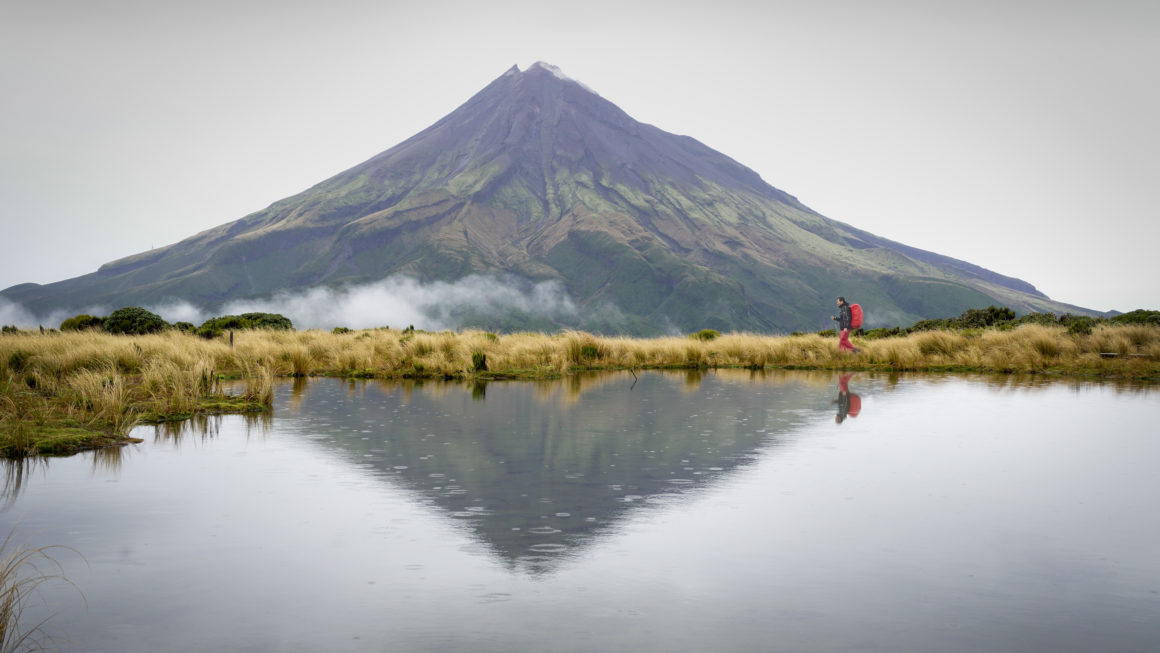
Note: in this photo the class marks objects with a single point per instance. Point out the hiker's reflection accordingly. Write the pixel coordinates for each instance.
(849, 403)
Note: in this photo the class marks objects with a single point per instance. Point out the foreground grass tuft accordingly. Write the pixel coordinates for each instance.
(23, 571)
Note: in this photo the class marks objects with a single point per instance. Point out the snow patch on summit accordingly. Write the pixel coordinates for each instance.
(559, 74)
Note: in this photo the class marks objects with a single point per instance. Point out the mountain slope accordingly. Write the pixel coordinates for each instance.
(539, 178)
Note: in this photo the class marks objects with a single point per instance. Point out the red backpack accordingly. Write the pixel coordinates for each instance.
(855, 316)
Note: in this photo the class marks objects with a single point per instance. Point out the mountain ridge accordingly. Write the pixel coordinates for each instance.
(538, 176)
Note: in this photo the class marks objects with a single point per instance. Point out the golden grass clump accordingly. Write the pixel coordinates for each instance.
(941, 344)
(894, 353)
(103, 394)
(259, 382)
(174, 388)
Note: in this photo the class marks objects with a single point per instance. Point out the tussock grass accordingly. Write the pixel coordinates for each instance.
(60, 393)
(58, 387)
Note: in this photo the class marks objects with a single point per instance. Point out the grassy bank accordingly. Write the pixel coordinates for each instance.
(60, 392)
(63, 392)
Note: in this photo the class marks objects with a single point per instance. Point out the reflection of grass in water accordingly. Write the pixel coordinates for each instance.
(24, 570)
(16, 472)
(206, 427)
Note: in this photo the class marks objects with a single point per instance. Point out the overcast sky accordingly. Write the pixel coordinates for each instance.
(1020, 136)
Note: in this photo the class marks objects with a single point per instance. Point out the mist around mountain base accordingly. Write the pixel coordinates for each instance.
(502, 303)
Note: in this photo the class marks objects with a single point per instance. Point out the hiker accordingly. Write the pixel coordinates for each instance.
(843, 318)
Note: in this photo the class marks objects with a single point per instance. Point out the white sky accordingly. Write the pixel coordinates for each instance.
(1020, 136)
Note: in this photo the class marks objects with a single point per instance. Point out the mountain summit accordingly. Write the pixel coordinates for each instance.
(535, 178)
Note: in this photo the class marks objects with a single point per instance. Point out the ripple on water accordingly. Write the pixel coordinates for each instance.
(543, 530)
(536, 561)
(548, 548)
(494, 597)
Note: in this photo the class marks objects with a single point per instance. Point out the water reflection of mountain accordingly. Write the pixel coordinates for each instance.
(537, 469)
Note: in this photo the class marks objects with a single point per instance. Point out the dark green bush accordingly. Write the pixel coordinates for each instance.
(133, 320)
(9, 328)
(706, 335)
(209, 333)
(249, 321)
(1081, 327)
(184, 327)
(1004, 319)
(974, 318)
(931, 325)
(1138, 316)
(340, 330)
(479, 361)
(215, 326)
(882, 332)
(1046, 319)
(82, 322)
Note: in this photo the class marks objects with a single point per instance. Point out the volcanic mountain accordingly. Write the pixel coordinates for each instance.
(537, 178)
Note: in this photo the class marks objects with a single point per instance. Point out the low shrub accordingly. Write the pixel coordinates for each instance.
(1046, 319)
(706, 335)
(1081, 327)
(250, 321)
(984, 317)
(931, 325)
(82, 322)
(133, 320)
(215, 326)
(882, 332)
(1138, 316)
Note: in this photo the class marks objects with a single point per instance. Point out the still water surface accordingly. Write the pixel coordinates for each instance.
(678, 512)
